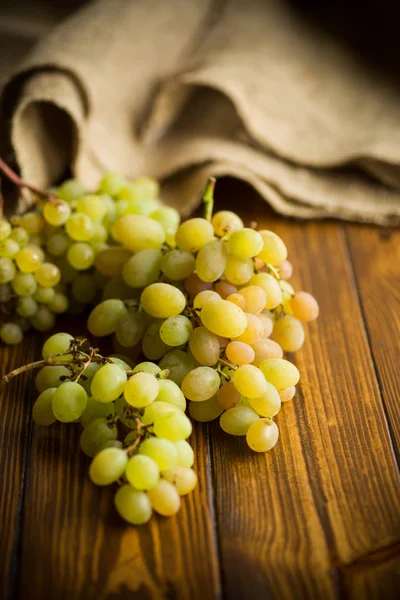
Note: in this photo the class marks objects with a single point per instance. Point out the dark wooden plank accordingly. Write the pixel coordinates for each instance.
(375, 254)
(377, 577)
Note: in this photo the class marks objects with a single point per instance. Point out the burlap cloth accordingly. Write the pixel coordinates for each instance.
(182, 89)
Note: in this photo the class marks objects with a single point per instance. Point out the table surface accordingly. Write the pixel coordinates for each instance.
(318, 517)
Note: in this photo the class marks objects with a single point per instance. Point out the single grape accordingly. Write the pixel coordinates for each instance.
(174, 426)
(228, 396)
(97, 433)
(266, 349)
(57, 343)
(155, 409)
(205, 411)
(268, 322)
(194, 234)
(142, 472)
(11, 333)
(226, 222)
(162, 300)
(253, 332)
(269, 404)
(132, 505)
(240, 353)
(178, 265)
(43, 319)
(185, 453)
(245, 243)
(9, 248)
(93, 206)
(168, 217)
(176, 330)
(5, 229)
(239, 270)
(141, 389)
(51, 377)
(204, 346)
(81, 256)
(304, 306)
(250, 381)
(162, 451)
(105, 316)
(112, 183)
(211, 261)
(271, 287)
(111, 261)
(237, 420)
(70, 190)
(59, 304)
(69, 402)
(183, 478)
(26, 306)
(262, 435)
(153, 346)
(194, 285)
(138, 232)
(147, 367)
(83, 288)
(200, 384)
(108, 466)
(80, 227)
(42, 410)
(7, 270)
(47, 275)
(164, 498)
(286, 269)
(130, 329)
(96, 410)
(116, 288)
(223, 318)
(33, 222)
(143, 268)
(143, 188)
(288, 332)
(280, 372)
(99, 237)
(203, 297)
(255, 298)
(56, 213)
(274, 251)
(237, 299)
(20, 235)
(170, 393)
(287, 394)
(178, 363)
(108, 383)
(44, 295)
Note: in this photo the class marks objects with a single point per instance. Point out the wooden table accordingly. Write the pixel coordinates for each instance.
(318, 517)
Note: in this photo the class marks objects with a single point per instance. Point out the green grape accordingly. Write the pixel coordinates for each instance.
(81, 256)
(104, 317)
(29, 259)
(43, 319)
(108, 383)
(288, 333)
(5, 292)
(162, 300)
(205, 411)
(271, 287)
(170, 393)
(11, 333)
(245, 243)
(47, 275)
(281, 373)
(304, 307)
(69, 402)
(141, 389)
(9, 248)
(121, 363)
(164, 498)
(112, 444)
(33, 222)
(178, 363)
(211, 261)
(7, 270)
(86, 379)
(68, 273)
(152, 345)
(176, 330)
(262, 435)
(228, 396)
(287, 394)
(26, 306)
(147, 367)
(42, 410)
(205, 296)
(111, 261)
(70, 190)
(121, 208)
(96, 410)
(144, 188)
(223, 318)
(240, 353)
(250, 381)
(83, 288)
(126, 413)
(142, 472)
(5, 229)
(185, 452)
(130, 329)
(138, 232)
(255, 298)
(264, 349)
(116, 288)
(97, 433)
(194, 234)
(226, 222)
(111, 183)
(168, 217)
(239, 270)
(132, 505)
(174, 426)
(274, 251)
(237, 420)
(108, 466)
(93, 206)
(136, 205)
(155, 409)
(183, 478)
(59, 304)
(20, 235)
(51, 377)
(100, 234)
(80, 227)
(57, 343)
(56, 213)
(269, 404)
(130, 438)
(204, 346)
(162, 451)
(178, 265)
(143, 268)
(44, 295)
(200, 384)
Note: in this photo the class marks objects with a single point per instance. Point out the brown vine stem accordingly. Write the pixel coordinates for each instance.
(37, 365)
(12, 176)
(136, 443)
(228, 364)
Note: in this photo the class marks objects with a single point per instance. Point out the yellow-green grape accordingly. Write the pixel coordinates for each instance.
(121, 362)
(168, 217)
(211, 261)
(155, 409)
(183, 478)
(204, 346)
(112, 444)
(255, 298)
(237, 420)
(205, 296)
(130, 329)
(81, 256)
(138, 232)
(108, 383)
(194, 234)
(11, 333)
(170, 393)
(271, 287)
(147, 367)
(239, 270)
(100, 234)
(142, 472)
(200, 384)
(136, 205)
(164, 498)
(68, 273)
(105, 316)
(133, 505)
(5, 229)
(265, 349)
(44, 295)
(56, 344)
(174, 426)
(70, 190)
(126, 414)
(83, 288)
(57, 213)
(162, 300)
(245, 243)
(95, 410)
(178, 363)
(47, 275)
(268, 322)
(23, 284)
(117, 288)
(287, 394)
(162, 451)
(20, 235)
(58, 244)
(9, 248)
(269, 404)
(69, 402)
(237, 299)
(80, 227)
(205, 411)
(5, 292)
(175, 331)
(177, 264)
(288, 333)
(49, 377)
(42, 410)
(26, 306)
(226, 222)
(286, 269)
(228, 396)
(59, 303)
(143, 268)
(250, 381)
(185, 454)
(108, 466)
(153, 346)
(240, 353)
(304, 306)
(111, 261)
(280, 372)
(253, 332)
(274, 251)
(33, 222)
(111, 183)
(223, 318)
(7, 270)
(262, 435)
(93, 206)
(121, 208)
(145, 188)
(43, 319)
(141, 390)
(96, 434)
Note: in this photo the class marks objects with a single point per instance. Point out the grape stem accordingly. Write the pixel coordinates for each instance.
(21, 183)
(208, 198)
(228, 364)
(38, 364)
(132, 447)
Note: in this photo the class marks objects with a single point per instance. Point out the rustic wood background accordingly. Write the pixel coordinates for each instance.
(318, 517)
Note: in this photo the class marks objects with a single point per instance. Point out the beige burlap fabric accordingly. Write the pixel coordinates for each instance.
(182, 89)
